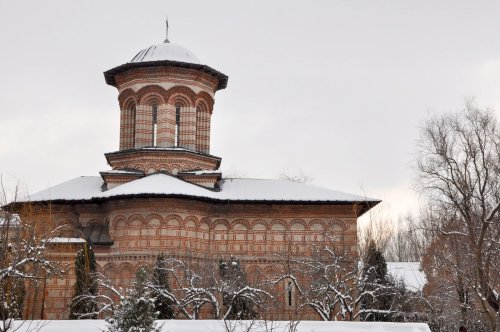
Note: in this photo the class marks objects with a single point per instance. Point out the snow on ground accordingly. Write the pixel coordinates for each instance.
(236, 326)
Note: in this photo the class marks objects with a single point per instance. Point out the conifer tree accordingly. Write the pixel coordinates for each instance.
(84, 303)
(12, 293)
(163, 304)
(136, 312)
(375, 277)
(375, 266)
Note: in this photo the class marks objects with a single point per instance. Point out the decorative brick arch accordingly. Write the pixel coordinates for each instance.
(280, 222)
(125, 97)
(300, 222)
(135, 216)
(171, 167)
(152, 216)
(261, 222)
(222, 222)
(193, 219)
(175, 217)
(141, 167)
(109, 269)
(243, 222)
(129, 104)
(317, 222)
(205, 98)
(181, 94)
(150, 166)
(207, 221)
(126, 271)
(117, 219)
(151, 92)
(201, 106)
(338, 222)
(163, 167)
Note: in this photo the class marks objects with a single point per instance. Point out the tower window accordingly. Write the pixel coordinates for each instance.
(155, 124)
(177, 124)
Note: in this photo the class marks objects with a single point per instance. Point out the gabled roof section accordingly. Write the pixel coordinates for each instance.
(157, 184)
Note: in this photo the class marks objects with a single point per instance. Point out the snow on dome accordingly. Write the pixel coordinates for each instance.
(166, 52)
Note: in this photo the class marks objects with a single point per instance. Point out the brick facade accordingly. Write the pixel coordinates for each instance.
(140, 229)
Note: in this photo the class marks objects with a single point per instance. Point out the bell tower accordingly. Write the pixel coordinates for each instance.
(166, 98)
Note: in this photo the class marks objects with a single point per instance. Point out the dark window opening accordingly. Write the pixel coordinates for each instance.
(155, 125)
(177, 124)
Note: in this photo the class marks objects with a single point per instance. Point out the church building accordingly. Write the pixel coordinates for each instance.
(164, 192)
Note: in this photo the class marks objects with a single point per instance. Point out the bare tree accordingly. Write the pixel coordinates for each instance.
(105, 300)
(409, 241)
(459, 170)
(25, 239)
(332, 283)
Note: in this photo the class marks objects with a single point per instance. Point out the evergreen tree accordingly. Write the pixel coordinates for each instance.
(375, 266)
(136, 311)
(375, 277)
(12, 293)
(84, 303)
(163, 304)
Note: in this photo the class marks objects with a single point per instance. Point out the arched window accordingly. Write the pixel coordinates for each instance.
(177, 124)
(132, 126)
(154, 137)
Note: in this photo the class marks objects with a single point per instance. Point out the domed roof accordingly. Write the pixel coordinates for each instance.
(166, 52)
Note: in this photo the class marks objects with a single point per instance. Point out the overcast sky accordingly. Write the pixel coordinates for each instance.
(334, 89)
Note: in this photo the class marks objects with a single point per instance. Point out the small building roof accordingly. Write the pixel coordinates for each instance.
(409, 272)
(159, 184)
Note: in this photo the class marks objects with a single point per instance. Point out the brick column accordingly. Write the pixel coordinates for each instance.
(143, 126)
(166, 125)
(127, 128)
(202, 131)
(187, 137)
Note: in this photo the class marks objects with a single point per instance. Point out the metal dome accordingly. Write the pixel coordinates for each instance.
(166, 52)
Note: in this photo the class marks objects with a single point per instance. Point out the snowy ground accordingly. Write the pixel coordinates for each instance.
(236, 326)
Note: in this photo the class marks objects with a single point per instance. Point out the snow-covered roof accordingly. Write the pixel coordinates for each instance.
(66, 240)
(180, 325)
(409, 272)
(166, 52)
(202, 172)
(77, 189)
(90, 187)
